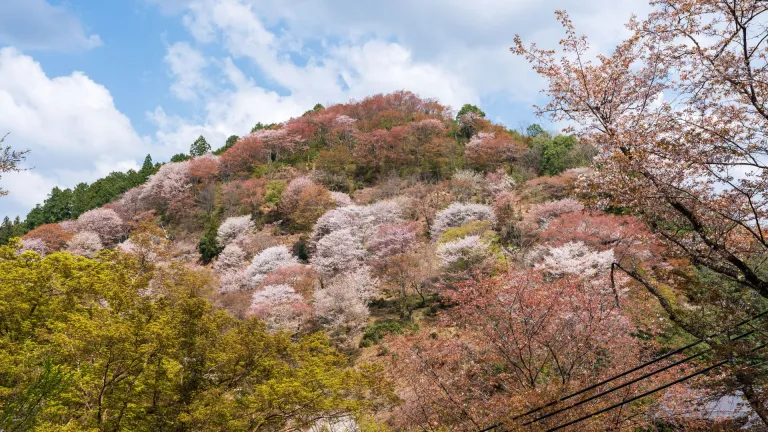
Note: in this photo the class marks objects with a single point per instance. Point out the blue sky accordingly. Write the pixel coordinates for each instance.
(92, 86)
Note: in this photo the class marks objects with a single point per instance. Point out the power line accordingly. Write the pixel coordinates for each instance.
(634, 369)
(641, 366)
(630, 382)
(649, 392)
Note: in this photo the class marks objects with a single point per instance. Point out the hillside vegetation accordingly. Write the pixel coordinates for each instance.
(384, 264)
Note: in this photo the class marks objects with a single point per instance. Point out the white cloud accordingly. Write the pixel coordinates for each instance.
(36, 24)
(348, 68)
(69, 123)
(187, 67)
(353, 49)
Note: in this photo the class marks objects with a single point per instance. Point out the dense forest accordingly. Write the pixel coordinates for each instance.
(391, 263)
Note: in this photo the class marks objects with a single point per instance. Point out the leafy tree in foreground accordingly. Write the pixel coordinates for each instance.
(85, 345)
(693, 166)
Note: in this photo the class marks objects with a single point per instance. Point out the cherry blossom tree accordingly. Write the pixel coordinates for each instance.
(465, 184)
(678, 111)
(339, 251)
(516, 342)
(302, 278)
(243, 156)
(498, 181)
(363, 221)
(341, 199)
(342, 313)
(358, 281)
(232, 281)
(243, 196)
(573, 258)
(539, 215)
(104, 222)
(232, 257)
(393, 239)
(86, 243)
(289, 200)
(487, 151)
(266, 261)
(204, 169)
(463, 253)
(232, 228)
(171, 182)
(458, 214)
(33, 244)
(131, 202)
(280, 307)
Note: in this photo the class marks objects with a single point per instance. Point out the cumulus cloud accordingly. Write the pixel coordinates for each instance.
(187, 67)
(69, 123)
(352, 67)
(36, 24)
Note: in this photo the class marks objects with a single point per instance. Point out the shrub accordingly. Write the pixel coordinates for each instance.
(375, 333)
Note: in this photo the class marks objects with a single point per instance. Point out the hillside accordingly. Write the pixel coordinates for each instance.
(389, 262)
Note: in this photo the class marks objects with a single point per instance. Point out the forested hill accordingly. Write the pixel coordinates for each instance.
(548, 155)
(375, 258)
(391, 264)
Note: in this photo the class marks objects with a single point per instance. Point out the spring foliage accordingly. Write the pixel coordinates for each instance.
(99, 344)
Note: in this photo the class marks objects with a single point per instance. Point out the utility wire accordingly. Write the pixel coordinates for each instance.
(630, 382)
(642, 366)
(629, 371)
(649, 392)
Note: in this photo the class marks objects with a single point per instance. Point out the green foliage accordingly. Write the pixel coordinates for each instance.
(468, 108)
(207, 245)
(301, 248)
(230, 142)
(316, 108)
(180, 157)
(478, 228)
(199, 147)
(148, 168)
(9, 229)
(534, 130)
(25, 404)
(554, 158)
(274, 191)
(86, 345)
(375, 333)
(64, 204)
(260, 126)
(552, 155)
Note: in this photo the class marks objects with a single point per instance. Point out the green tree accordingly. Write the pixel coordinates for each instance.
(230, 142)
(199, 147)
(86, 345)
(469, 108)
(534, 130)
(207, 245)
(260, 126)
(554, 158)
(147, 168)
(180, 157)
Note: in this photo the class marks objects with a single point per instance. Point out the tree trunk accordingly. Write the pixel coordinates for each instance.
(755, 399)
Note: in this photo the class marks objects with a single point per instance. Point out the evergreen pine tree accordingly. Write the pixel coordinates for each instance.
(199, 147)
